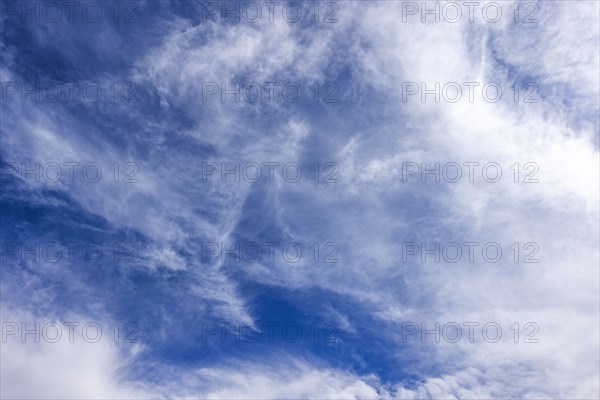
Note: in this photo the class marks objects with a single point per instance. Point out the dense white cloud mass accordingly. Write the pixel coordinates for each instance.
(195, 317)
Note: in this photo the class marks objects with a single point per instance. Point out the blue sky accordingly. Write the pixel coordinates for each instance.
(119, 197)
